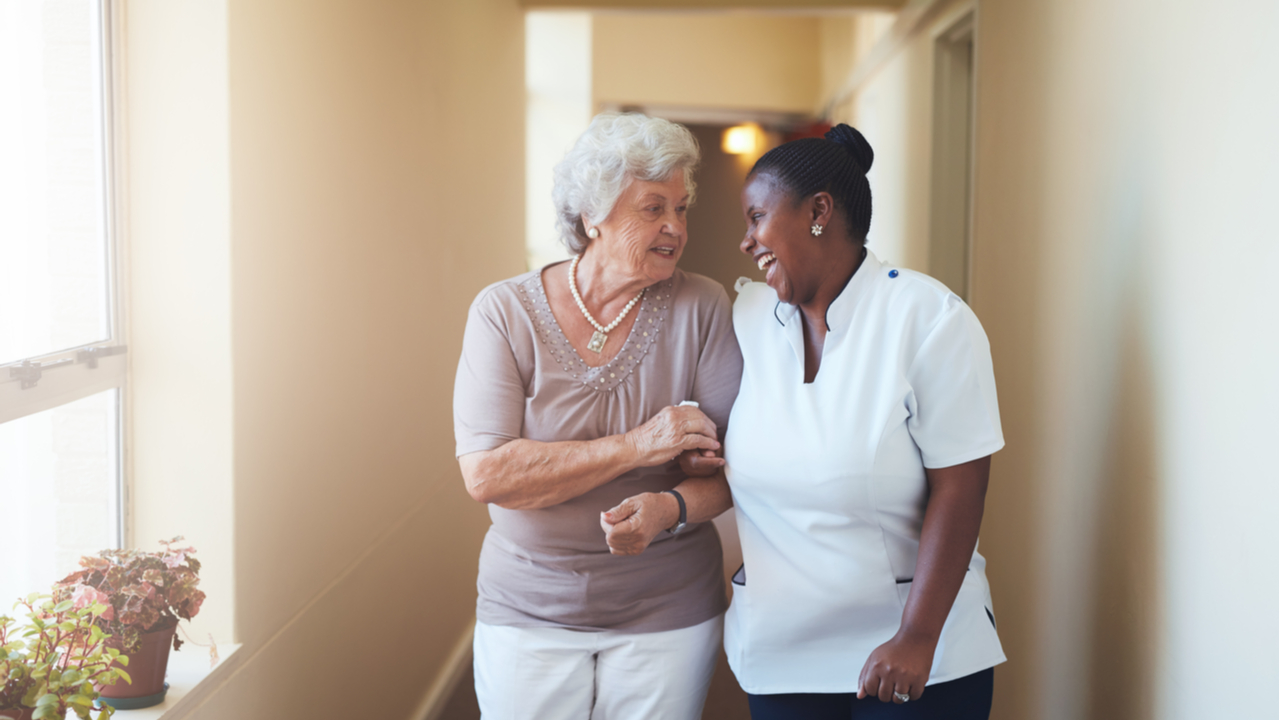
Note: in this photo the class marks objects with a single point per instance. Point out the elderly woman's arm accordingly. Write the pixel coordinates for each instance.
(527, 474)
(636, 521)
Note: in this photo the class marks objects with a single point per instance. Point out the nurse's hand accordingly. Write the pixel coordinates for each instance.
(901, 665)
(700, 463)
(636, 521)
(672, 431)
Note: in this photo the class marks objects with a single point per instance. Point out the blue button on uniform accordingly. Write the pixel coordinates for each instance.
(893, 273)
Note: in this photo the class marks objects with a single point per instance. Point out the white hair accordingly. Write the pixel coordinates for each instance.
(613, 151)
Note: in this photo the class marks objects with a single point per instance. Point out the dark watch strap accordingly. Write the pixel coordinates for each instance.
(674, 529)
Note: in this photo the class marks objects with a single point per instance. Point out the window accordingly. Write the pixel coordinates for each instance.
(62, 361)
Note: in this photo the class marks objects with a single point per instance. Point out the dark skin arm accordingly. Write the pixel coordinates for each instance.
(947, 541)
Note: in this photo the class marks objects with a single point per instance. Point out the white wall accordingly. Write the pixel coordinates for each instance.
(1125, 255)
(558, 90)
(176, 163)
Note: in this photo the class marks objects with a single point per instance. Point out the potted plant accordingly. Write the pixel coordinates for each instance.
(55, 663)
(146, 594)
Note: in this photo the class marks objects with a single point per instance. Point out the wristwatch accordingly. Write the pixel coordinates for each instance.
(680, 524)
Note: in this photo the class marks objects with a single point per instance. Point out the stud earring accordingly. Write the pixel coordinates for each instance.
(593, 233)
(816, 229)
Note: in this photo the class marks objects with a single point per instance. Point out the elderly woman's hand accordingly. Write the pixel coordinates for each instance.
(672, 431)
(635, 522)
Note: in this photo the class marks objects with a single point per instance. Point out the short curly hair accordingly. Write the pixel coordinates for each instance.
(614, 150)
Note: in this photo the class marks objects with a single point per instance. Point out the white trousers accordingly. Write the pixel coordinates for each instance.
(558, 674)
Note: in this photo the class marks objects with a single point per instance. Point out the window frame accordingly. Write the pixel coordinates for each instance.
(44, 382)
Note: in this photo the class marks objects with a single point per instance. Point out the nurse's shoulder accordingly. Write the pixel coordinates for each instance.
(753, 299)
(915, 300)
(910, 286)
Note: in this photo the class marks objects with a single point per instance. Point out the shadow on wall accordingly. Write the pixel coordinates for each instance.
(1126, 612)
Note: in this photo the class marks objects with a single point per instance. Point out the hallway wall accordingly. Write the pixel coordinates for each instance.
(706, 60)
(1125, 255)
(375, 186)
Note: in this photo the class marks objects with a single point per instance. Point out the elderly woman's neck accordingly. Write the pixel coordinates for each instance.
(603, 281)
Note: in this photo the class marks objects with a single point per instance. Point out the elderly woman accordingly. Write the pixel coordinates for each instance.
(579, 387)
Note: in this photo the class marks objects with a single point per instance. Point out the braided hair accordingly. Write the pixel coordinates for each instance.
(837, 164)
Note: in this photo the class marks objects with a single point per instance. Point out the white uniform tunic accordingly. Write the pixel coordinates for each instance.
(828, 478)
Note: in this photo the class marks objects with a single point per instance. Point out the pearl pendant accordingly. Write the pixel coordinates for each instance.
(597, 342)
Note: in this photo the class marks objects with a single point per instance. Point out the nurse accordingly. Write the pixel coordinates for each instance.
(857, 453)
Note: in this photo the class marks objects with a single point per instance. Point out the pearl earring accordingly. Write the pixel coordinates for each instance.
(816, 229)
(593, 233)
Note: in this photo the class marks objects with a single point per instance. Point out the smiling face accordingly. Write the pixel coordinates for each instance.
(644, 235)
(778, 238)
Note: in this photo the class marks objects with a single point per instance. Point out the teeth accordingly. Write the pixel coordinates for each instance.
(766, 260)
(665, 251)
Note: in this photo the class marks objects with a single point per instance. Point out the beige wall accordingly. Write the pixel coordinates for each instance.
(845, 41)
(176, 171)
(721, 61)
(375, 185)
(705, 5)
(1124, 267)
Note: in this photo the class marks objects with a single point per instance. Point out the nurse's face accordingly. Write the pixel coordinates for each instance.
(779, 241)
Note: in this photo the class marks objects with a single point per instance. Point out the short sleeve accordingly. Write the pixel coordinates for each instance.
(954, 415)
(488, 391)
(719, 373)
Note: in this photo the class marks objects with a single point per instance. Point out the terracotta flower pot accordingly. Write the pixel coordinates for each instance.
(146, 668)
(17, 714)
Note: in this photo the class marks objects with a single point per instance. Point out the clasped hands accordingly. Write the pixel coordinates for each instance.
(683, 432)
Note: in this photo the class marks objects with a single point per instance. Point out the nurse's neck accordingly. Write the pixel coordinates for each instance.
(840, 262)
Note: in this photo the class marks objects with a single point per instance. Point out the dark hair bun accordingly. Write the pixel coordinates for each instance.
(853, 141)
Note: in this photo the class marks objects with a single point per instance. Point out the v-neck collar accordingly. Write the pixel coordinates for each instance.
(839, 313)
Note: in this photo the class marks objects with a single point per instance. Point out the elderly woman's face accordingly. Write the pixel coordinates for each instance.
(645, 233)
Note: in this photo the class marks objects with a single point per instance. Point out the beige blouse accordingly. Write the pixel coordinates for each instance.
(520, 378)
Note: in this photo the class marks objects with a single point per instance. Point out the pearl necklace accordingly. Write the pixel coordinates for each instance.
(601, 334)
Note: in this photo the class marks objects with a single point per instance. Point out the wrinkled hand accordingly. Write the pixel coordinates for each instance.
(900, 665)
(636, 521)
(672, 431)
(700, 463)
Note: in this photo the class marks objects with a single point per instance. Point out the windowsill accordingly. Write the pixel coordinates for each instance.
(188, 668)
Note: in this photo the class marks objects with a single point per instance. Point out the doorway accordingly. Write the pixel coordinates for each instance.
(951, 196)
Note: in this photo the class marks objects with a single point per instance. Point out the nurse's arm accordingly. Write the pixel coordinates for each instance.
(948, 538)
(528, 475)
(635, 522)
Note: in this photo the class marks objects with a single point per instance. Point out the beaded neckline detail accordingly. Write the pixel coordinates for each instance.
(560, 354)
(601, 335)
